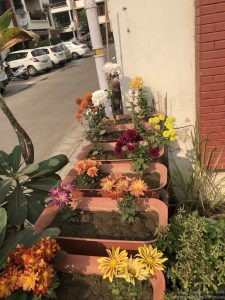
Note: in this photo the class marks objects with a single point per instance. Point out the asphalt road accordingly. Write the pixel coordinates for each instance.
(46, 109)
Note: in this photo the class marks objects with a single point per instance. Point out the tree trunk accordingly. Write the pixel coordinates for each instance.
(25, 142)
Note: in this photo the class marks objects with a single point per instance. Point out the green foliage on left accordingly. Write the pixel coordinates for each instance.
(23, 190)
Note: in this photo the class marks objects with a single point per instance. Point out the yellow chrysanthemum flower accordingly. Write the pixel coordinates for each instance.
(134, 270)
(138, 188)
(151, 120)
(171, 119)
(156, 120)
(28, 280)
(166, 133)
(110, 266)
(151, 258)
(136, 83)
(173, 138)
(169, 125)
(158, 127)
(172, 132)
(161, 117)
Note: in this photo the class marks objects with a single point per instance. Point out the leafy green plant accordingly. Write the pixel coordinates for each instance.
(128, 208)
(199, 188)
(140, 158)
(122, 290)
(23, 189)
(195, 250)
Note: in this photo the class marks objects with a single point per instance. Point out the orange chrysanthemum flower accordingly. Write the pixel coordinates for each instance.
(88, 96)
(28, 280)
(49, 248)
(78, 101)
(80, 167)
(138, 188)
(40, 289)
(84, 104)
(107, 184)
(123, 185)
(4, 287)
(47, 274)
(80, 110)
(13, 275)
(78, 117)
(92, 171)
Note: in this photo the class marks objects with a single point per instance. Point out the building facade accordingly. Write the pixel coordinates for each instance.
(70, 14)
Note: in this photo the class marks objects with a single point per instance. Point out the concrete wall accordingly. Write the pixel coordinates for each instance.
(155, 40)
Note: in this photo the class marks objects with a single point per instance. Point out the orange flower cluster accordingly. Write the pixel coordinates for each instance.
(115, 185)
(83, 104)
(29, 268)
(87, 166)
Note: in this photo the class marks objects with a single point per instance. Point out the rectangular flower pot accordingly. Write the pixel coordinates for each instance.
(111, 147)
(83, 255)
(124, 167)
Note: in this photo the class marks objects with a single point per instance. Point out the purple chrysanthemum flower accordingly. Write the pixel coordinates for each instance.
(54, 191)
(131, 147)
(68, 188)
(131, 135)
(61, 199)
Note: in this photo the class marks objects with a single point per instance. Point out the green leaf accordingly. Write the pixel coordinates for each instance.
(17, 207)
(59, 257)
(4, 188)
(15, 158)
(3, 223)
(47, 167)
(102, 132)
(34, 207)
(44, 184)
(4, 163)
(17, 295)
(5, 19)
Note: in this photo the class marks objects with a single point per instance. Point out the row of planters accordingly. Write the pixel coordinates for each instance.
(114, 239)
(108, 206)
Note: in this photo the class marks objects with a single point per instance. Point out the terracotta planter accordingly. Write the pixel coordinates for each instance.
(83, 255)
(95, 204)
(129, 125)
(124, 167)
(111, 147)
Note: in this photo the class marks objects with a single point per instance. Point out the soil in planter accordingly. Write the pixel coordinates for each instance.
(106, 225)
(107, 155)
(152, 180)
(91, 287)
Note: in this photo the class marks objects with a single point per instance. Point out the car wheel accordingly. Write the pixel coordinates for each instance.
(47, 70)
(32, 71)
(75, 55)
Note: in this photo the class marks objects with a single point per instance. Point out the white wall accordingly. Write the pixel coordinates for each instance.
(160, 47)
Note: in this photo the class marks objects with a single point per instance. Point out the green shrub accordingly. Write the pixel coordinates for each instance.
(196, 257)
(55, 40)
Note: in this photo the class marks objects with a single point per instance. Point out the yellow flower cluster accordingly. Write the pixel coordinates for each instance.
(167, 126)
(136, 83)
(148, 261)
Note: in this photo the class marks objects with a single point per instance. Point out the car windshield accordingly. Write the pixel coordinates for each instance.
(56, 49)
(63, 47)
(76, 43)
(37, 52)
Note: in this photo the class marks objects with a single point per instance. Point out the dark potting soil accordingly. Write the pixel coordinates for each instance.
(107, 155)
(107, 225)
(112, 136)
(91, 287)
(152, 180)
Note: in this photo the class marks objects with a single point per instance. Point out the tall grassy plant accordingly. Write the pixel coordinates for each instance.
(199, 188)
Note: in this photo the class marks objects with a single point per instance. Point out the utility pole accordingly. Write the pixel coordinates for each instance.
(96, 39)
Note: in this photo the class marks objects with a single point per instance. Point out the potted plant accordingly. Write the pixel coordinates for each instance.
(85, 257)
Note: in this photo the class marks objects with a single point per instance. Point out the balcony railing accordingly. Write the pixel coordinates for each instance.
(57, 4)
(62, 25)
(37, 15)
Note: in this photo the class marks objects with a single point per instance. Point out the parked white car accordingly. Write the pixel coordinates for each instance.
(35, 60)
(56, 54)
(76, 49)
(66, 51)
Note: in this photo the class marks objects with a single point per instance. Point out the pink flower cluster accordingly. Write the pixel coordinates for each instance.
(62, 194)
(128, 141)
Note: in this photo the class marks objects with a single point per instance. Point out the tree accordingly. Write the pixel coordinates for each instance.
(8, 38)
(83, 21)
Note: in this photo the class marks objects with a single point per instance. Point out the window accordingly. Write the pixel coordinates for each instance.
(101, 9)
(21, 55)
(46, 51)
(16, 56)
(37, 52)
(56, 49)
(11, 57)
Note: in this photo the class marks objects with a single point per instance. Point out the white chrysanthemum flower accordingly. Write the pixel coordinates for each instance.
(111, 70)
(99, 98)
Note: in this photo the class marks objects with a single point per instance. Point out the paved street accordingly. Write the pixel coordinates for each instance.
(46, 109)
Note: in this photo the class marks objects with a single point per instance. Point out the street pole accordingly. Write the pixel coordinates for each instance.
(96, 39)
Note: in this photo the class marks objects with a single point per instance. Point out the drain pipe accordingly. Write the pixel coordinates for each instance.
(96, 39)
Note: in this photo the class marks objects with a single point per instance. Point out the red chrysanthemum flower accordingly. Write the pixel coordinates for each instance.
(153, 152)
